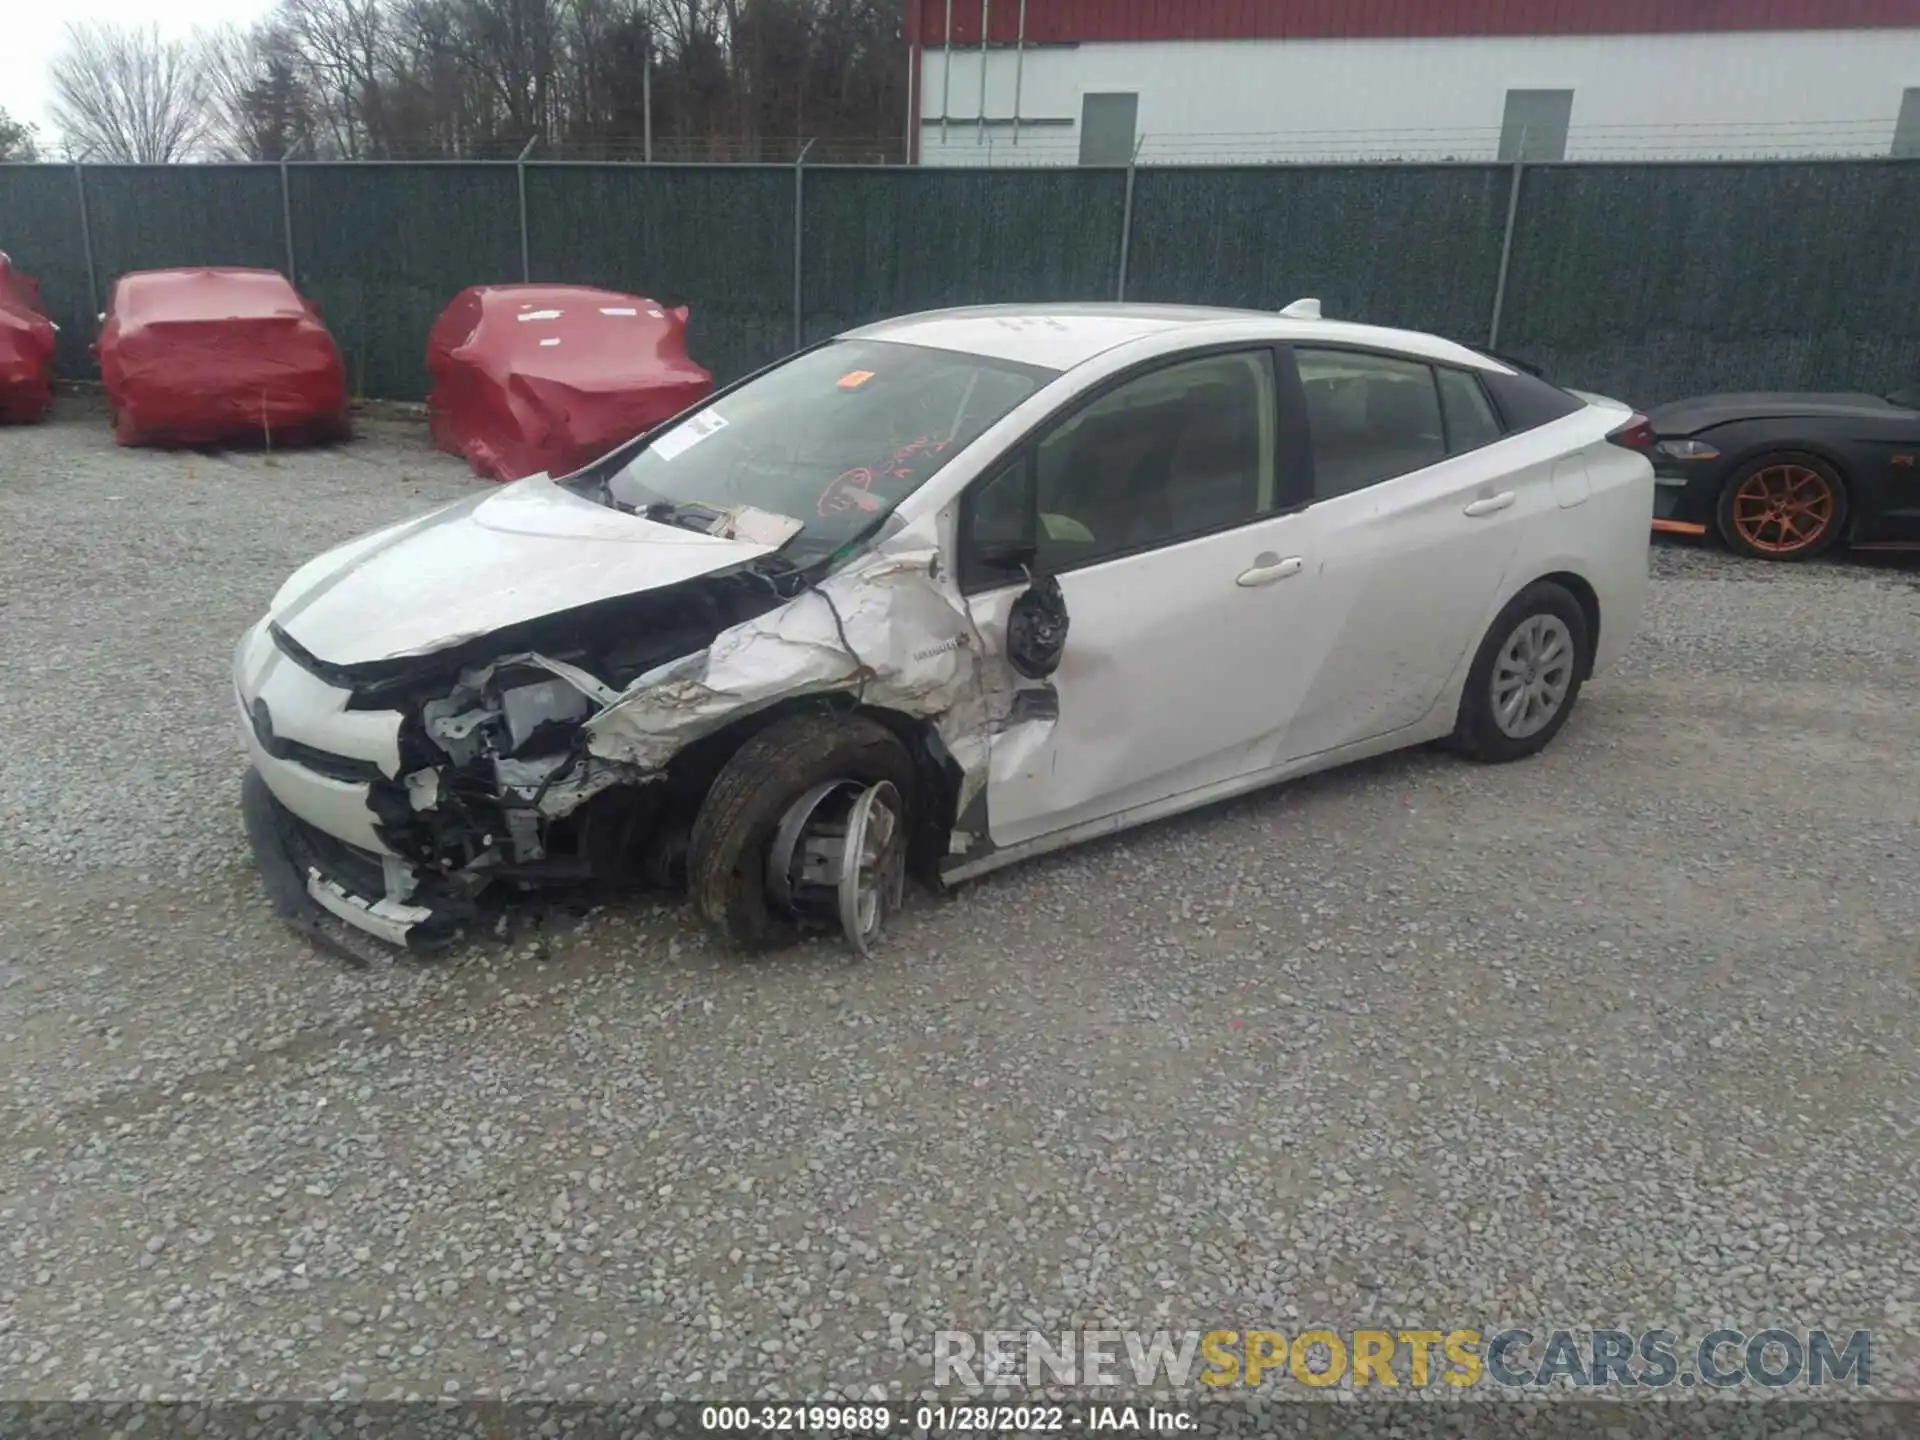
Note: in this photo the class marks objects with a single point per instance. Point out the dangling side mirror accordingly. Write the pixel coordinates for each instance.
(1037, 629)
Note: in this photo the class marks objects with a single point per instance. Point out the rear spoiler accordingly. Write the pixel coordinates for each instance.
(1590, 398)
(1523, 366)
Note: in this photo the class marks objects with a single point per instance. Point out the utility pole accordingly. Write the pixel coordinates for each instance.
(646, 95)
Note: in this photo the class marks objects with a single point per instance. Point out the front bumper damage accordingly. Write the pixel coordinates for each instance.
(391, 817)
(310, 879)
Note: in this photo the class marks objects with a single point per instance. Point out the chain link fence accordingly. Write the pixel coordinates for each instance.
(1644, 281)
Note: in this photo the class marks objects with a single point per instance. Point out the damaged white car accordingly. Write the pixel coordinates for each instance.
(933, 596)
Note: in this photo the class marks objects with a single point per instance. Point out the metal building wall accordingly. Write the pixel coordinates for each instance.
(1745, 94)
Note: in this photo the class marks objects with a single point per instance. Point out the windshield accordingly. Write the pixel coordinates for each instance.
(832, 440)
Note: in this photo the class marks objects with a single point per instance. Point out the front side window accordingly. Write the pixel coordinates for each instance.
(835, 439)
(1176, 453)
(1371, 417)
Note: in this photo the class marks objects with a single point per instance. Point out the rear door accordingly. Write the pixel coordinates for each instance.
(1418, 517)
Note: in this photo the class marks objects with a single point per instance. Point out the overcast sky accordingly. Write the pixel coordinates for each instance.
(33, 29)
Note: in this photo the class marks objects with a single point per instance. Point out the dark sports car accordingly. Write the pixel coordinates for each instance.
(1784, 477)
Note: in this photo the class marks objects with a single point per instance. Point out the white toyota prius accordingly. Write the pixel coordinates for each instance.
(934, 596)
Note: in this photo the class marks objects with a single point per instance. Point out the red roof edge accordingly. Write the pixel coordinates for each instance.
(1070, 21)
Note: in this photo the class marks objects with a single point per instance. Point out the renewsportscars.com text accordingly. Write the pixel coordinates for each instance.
(1389, 1359)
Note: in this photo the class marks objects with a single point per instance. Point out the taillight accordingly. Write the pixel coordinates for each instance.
(1636, 434)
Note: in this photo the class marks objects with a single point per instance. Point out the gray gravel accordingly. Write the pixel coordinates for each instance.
(1622, 1035)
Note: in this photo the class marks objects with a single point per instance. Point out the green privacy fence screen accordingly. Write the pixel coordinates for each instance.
(1661, 279)
(1416, 246)
(718, 239)
(1642, 281)
(40, 230)
(384, 247)
(881, 242)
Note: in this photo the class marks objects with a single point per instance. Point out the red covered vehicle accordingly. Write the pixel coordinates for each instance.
(26, 348)
(531, 378)
(211, 356)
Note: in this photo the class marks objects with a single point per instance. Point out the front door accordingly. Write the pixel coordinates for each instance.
(1190, 599)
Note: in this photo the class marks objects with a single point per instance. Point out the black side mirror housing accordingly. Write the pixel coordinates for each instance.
(1037, 629)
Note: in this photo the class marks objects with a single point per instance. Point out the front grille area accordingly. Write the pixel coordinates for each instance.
(321, 762)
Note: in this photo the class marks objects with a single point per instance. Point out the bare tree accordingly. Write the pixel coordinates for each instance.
(473, 79)
(127, 93)
(259, 109)
(511, 47)
(17, 140)
(342, 47)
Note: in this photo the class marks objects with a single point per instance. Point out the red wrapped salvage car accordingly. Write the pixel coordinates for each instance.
(213, 356)
(26, 348)
(532, 378)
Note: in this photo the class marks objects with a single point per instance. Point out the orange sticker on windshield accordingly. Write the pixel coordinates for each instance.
(854, 379)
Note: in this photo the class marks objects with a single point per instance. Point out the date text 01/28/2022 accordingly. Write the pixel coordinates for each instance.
(934, 1419)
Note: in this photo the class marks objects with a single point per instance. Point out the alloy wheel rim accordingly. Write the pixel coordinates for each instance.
(1783, 509)
(839, 853)
(873, 873)
(1531, 676)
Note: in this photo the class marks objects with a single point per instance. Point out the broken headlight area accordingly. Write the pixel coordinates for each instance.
(494, 776)
(495, 780)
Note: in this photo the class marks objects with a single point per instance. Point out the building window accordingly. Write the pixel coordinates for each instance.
(1106, 128)
(1906, 130)
(1535, 127)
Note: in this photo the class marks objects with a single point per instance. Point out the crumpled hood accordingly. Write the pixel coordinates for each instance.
(502, 557)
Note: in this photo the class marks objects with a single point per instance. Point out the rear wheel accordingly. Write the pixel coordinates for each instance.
(767, 854)
(1783, 507)
(1525, 678)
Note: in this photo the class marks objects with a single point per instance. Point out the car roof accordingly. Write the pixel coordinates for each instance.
(1062, 336)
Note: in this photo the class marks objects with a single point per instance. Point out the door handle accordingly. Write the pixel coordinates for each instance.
(1267, 569)
(1487, 505)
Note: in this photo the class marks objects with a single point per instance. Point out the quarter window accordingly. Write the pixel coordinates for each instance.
(1370, 418)
(1471, 422)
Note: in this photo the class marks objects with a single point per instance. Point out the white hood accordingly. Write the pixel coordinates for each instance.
(479, 565)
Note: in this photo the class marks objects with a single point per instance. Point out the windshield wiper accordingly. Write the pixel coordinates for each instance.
(686, 514)
(661, 512)
(612, 501)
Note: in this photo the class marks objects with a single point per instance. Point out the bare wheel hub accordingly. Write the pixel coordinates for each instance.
(839, 857)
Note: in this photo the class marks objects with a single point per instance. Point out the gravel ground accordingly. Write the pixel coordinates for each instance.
(1625, 1035)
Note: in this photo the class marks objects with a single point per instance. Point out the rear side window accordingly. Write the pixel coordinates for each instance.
(1525, 402)
(1471, 422)
(1371, 418)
